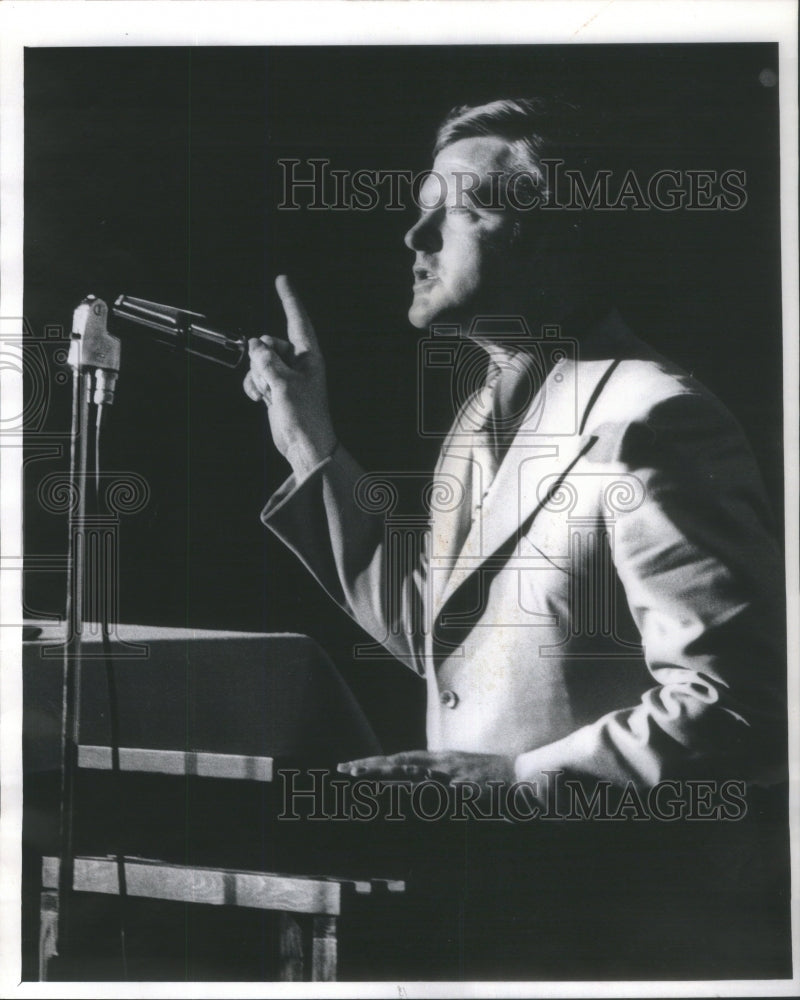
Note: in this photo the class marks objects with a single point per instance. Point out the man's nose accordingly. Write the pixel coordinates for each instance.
(424, 236)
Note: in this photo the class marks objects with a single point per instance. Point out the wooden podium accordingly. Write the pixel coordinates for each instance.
(206, 710)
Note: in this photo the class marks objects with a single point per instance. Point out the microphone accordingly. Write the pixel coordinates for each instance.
(181, 330)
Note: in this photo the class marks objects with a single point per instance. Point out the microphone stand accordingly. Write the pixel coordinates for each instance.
(94, 357)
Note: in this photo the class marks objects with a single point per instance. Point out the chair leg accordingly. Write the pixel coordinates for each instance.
(48, 931)
(290, 949)
(323, 950)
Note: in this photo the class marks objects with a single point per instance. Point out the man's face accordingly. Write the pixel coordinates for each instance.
(463, 250)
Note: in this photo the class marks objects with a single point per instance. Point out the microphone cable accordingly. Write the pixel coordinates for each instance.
(107, 567)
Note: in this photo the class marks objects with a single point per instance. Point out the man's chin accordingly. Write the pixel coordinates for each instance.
(422, 314)
(418, 318)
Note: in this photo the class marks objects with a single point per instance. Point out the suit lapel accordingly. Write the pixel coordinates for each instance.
(546, 446)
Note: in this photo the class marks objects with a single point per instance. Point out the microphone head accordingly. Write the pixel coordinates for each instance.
(164, 319)
(182, 330)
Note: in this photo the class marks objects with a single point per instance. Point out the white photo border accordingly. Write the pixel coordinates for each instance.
(34, 23)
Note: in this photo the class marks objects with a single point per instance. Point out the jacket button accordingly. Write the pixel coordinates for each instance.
(448, 699)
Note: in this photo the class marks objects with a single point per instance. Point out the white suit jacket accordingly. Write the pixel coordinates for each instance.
(616, 610)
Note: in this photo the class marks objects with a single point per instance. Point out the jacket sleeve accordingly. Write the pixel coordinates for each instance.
(704, 582)
(326, 522)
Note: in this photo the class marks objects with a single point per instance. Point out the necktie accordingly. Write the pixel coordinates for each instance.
(483, 430)
(468, 464)
(485, 443)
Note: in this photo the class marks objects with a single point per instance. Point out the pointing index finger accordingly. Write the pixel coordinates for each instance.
(299, 325)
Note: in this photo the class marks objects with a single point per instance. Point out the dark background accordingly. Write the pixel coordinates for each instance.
(153, 172)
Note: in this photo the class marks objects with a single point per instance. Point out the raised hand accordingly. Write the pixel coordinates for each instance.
(289, 376)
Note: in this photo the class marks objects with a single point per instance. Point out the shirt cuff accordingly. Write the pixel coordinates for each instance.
(294, 484)
(304, 459)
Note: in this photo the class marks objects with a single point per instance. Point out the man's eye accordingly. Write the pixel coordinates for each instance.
(461, 210)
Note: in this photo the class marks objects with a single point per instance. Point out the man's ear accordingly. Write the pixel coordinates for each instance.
(549, 250)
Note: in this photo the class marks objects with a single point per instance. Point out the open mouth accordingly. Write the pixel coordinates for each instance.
(423, 277)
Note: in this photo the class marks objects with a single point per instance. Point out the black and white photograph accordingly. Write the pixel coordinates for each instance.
(399, 456)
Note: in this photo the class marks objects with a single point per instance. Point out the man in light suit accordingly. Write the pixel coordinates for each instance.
(600, 594)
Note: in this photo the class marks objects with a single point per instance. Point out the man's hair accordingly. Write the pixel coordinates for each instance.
(538, 129)
(535, 129)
